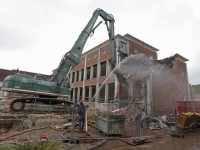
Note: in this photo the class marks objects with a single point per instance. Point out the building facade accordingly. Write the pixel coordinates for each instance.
(91, 74)
(93, 80)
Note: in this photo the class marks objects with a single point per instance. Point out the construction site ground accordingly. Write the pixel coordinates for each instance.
(155, 140)
(158, 139)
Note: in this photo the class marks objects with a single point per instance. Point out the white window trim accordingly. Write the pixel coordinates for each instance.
(103, 52)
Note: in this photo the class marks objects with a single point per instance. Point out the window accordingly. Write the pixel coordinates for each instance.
(77, 76)
(83, 61)
(95, 55)
(88, 73)
(103, 68)
(151, 57)
(103, 52)
(73, 77)
(94, 71)
(82, 74)
(89, 58)
(182, 73)
(135, 50)
(123, 47)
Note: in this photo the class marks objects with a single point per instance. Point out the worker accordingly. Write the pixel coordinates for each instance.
(81, 112)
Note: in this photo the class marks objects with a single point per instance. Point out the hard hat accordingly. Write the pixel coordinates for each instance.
(81, 101)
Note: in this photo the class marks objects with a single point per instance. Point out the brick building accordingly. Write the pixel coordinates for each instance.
(163, 88)
(197, 97)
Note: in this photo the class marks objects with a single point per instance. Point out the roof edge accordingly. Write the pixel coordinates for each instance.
(141, 42)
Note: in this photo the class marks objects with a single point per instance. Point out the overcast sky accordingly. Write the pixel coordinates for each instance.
(35, 34)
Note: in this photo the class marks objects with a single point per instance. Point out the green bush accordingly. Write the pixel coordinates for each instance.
(51, 145)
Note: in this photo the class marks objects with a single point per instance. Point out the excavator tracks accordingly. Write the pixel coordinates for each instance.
(40, 105)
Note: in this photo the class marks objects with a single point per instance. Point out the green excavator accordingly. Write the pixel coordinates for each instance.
(57, 87)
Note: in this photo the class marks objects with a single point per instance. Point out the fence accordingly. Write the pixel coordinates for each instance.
(188, 113)
(39, 121)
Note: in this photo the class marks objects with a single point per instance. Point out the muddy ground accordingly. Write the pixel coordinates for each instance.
(156, 140)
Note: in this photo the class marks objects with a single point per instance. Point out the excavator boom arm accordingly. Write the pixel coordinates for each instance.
(72, 58)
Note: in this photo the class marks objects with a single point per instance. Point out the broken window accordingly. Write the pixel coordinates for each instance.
(123, 47)
(88, 73)
(103, 68)
(94, 71)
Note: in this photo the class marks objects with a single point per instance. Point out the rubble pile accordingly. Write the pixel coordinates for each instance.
(3, 130)
(91, 116)
(128, 112)
(51, 115)
(132, 112)
(5, 105)
(155, 123)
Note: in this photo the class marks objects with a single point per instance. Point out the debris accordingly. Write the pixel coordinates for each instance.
(44, 138)
(158, 123)
(65, 126)
(3, 130)
(20, 140)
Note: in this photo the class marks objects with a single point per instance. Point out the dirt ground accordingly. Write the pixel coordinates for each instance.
(164, 141)
(191, 141)
(156, 140)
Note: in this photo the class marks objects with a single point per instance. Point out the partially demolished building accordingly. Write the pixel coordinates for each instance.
(158, 89)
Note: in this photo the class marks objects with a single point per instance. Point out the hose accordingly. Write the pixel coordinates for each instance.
(5, 138)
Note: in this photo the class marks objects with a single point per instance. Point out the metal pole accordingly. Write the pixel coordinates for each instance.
(73, 120)
(33, 116)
